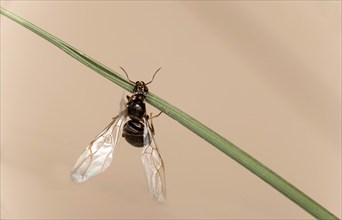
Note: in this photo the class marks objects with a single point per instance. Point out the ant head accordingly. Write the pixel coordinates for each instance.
(140, 88)
(140, 84)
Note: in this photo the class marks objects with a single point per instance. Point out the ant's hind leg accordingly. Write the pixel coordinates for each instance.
(154, 116)
(151, 117)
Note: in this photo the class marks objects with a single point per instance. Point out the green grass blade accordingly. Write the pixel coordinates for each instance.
(192, 124)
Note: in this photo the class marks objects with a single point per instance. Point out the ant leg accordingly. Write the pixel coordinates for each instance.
(151, 125)
(128, 98)
(152, 128)
(149, 117)
(156, 115)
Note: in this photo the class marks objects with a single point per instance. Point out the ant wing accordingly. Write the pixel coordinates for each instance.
(98, 155)
(154, 166)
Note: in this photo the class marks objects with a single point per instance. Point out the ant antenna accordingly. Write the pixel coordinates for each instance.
(153, 76)
(127, 74)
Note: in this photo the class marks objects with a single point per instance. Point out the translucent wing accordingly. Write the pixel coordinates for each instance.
(154, 166)
(98, 155)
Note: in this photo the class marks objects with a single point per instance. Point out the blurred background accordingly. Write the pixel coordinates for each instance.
(264, 74)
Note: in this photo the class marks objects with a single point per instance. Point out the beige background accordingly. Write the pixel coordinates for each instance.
(266, 75)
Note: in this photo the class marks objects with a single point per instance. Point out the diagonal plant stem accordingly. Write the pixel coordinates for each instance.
(192, 124)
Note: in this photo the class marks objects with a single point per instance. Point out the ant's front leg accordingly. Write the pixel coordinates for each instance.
(128, 98)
